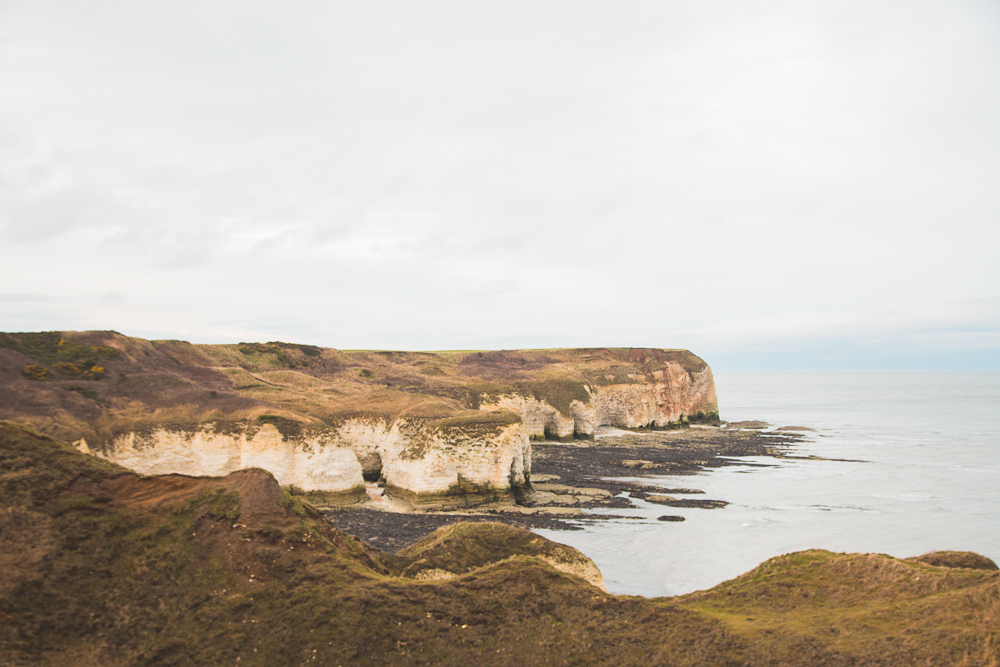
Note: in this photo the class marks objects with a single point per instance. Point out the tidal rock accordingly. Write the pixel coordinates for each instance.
(686, 502)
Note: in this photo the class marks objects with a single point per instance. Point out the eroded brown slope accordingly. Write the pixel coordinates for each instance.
(102, 567)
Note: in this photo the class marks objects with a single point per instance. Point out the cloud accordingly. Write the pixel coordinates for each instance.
(730, 177)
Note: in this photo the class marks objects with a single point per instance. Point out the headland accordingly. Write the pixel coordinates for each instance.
(428, 428)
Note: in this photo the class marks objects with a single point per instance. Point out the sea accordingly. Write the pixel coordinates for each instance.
(906, 462)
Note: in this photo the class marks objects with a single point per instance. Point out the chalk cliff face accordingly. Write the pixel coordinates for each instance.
(314, 462)
(426, 424)
(482, 459)
(441, 457)
(413, 458)
(674, 395)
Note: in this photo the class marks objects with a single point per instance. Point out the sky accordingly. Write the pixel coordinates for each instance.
(773, 185)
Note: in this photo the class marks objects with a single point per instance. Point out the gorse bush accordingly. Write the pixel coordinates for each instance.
(36, 372)
(66, 357)
(259, 348)
(83, 371)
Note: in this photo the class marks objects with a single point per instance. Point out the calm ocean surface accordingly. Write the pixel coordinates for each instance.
(928, 478)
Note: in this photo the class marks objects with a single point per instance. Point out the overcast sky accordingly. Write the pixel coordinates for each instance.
(770, 184)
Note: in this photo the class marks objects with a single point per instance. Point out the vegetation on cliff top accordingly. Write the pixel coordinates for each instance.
(147, 384)
(103, 567)
(55, 352)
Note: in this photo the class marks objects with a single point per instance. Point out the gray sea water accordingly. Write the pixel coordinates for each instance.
(924, 475)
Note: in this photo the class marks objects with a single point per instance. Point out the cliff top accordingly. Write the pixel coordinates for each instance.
(94, 384)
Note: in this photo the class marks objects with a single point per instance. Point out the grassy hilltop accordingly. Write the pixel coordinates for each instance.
(97, 384)
(99, 566)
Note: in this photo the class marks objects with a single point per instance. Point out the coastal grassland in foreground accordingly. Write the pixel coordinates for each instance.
(104, 567)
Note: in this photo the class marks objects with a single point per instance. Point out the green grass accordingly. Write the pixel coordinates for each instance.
(475, 420)
(559, 393)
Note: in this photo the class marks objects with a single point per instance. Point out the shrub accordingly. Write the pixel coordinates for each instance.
(81, 370)
(277, 348)
(66, 357)
(36, 372)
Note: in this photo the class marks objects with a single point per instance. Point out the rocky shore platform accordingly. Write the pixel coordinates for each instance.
(570, 477)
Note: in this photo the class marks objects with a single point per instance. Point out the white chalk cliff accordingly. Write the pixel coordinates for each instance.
(425, 425)
(415, 456)
(673, 395)
(410, 456)
(315, 463)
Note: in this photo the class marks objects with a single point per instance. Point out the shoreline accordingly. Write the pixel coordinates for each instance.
(570, 477)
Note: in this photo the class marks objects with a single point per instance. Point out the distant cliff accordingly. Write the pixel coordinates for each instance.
(427, 424)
